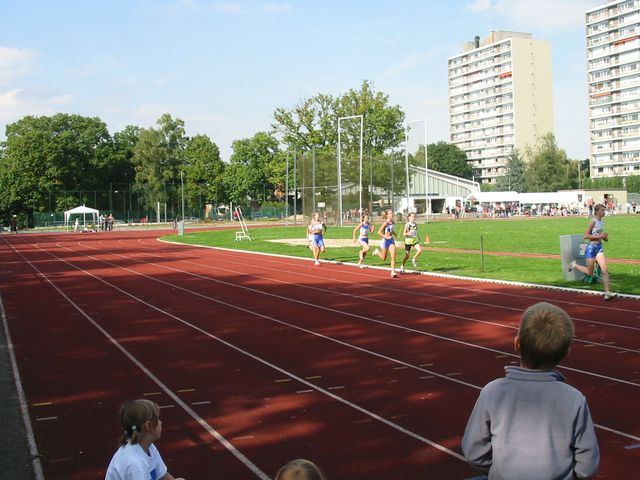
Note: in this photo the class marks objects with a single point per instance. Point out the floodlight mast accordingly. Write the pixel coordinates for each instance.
(426, 165)
(361, 117)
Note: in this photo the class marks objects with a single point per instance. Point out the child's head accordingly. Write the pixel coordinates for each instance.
(300, 469)
(544, 336)
(389, 214)
(412, 217)
(365, 218)
(138, 417)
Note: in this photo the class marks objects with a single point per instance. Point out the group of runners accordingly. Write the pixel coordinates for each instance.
(363, 231)
(594, 253)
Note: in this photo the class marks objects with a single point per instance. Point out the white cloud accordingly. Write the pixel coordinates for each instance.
(539, 14)
(277, 7)
(14, 104)
(14, 63)
(232, 8)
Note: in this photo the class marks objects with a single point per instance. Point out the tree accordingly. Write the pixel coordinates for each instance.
(446, 158)
(61, 153)
(256, 167)
(514, 180)
(203, 172)
(549, 169)
(158, 158)
(314, 124)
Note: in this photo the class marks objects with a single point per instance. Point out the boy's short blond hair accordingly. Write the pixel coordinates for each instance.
(545, 335)
(300, 469)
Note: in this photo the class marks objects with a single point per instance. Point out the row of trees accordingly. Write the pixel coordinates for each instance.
(52, 163)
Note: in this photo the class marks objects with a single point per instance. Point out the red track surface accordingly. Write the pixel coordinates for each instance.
(371, 378)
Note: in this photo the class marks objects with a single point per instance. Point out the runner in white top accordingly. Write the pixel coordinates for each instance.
(316, 230)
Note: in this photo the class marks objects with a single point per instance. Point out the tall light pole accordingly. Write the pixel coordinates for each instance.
(361, 117)
(426, 164)
(182, 194)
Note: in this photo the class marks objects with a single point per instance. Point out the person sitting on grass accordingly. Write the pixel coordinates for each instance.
(531, 424)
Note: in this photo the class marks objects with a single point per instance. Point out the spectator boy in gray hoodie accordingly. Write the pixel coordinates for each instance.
(531, 425)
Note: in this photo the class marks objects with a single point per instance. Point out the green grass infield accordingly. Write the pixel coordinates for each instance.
(456, 245)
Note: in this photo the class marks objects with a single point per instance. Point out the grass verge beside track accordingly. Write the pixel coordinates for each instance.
(513, 238)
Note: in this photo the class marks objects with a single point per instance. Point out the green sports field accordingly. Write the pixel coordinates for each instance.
(508, 236)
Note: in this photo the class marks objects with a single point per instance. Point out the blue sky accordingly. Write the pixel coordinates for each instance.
(225, 66)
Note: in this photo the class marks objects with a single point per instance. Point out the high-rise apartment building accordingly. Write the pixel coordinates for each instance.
(613, 74)
(500, 98)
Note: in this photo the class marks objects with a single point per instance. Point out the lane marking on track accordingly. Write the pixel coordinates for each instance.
(400, 368)
(359, 422)
(151, 394)
(315, 377)
(611, 430)
(282, 380)
(204, 402)
(283, 371)
(535, 286)
(185, 390)
(167, 406)
(203, 423)
(381, 419)
(632, 447)
(337, 292)
(454, 374)
(332, 310)
(41, 404)
(305, 391)
(337, 387)
(22, 399)
(45, 419)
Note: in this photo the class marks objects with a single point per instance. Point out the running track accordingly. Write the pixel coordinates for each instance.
(256, 360)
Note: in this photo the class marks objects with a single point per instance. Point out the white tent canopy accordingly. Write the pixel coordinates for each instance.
(84, 211)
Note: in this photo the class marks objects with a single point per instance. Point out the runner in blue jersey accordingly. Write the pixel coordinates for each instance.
(365, 228)
(594, 252)
(388, 244)
(316, 230)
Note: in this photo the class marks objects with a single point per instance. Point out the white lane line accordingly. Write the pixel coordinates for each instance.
(385, 302)
(234, 253)
(22, 401)
(291, 375)
(213, 432)
(624, 434)
(340, 312)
